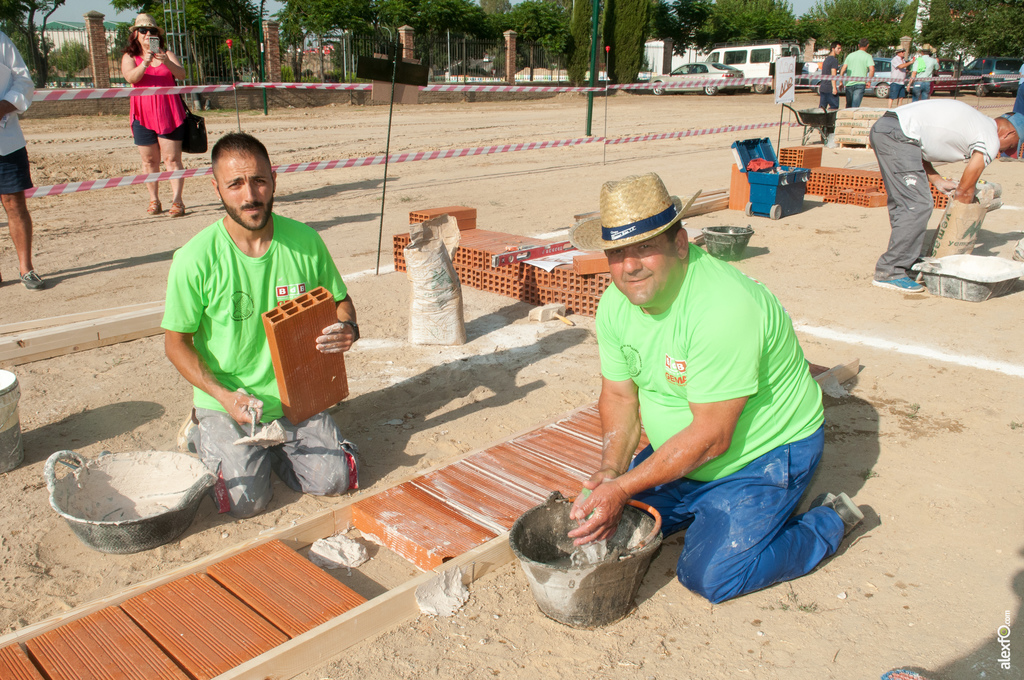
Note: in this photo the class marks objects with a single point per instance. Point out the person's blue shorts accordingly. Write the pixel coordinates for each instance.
(827, 100)
(143, 136)
(15, 175)
(897, 91)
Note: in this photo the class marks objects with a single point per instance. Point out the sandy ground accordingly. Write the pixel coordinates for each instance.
(928, 442)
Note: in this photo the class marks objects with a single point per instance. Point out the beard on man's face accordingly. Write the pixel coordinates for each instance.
(255, 222)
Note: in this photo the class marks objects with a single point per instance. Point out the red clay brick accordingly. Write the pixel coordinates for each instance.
(465, 216)
(15, 665)
(417, 526)
(202, 626)
(106, 644)
(478, 495)
(524, 469)
(284, 587)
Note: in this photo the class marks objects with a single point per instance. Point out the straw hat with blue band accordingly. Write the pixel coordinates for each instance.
(633, 209)
(1017, 120)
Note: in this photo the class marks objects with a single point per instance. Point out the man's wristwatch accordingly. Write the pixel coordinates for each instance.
(355, 328)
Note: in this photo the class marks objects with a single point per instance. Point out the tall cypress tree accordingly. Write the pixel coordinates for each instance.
(579, 50)
(625, 29)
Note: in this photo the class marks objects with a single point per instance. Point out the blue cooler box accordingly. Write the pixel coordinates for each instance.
(774, 193)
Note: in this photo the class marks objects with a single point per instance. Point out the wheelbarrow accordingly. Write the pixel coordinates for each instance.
(815, 120)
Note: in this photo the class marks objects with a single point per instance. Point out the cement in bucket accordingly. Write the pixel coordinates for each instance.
(589, 596)
(11, 450)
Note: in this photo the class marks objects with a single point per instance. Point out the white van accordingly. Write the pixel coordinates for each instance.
(755, 58)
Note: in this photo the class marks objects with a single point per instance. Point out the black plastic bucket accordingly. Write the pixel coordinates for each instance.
(588, 596)
(727, 243)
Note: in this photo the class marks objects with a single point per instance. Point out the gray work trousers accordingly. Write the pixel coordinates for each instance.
(910, 198)
(314, 459)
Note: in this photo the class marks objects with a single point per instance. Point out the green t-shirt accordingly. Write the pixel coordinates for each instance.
(857, 64)
(218, 294)
(725, 336)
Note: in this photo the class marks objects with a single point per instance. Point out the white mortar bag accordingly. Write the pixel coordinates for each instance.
(435, 306)
(958, 229)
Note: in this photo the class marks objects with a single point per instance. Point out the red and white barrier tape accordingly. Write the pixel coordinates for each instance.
(694, 133)
(117, 92)
(114, 182)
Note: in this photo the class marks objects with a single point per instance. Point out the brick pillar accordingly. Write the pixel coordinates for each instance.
(809, 50)
(407, 36)
(666, 56)
(97, 49)
(272, 41)
(510, 57)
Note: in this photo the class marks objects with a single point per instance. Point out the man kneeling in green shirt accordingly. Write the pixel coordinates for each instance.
(220, 283)
(708, 358)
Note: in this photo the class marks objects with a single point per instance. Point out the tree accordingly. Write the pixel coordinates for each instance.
(579, 47)
(882, 22)
(70, 58)
(539, 21)
(19, 17)
(975, 27)
(496, 6)
(682, 21)
(625, 31)
(749, 20)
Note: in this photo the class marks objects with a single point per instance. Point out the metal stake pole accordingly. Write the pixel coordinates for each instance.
(593, 61)
(387, 154)
(234, 89)
(604, 149)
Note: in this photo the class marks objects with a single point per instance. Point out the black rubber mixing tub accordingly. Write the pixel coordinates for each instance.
(593, 595)
(727, 243)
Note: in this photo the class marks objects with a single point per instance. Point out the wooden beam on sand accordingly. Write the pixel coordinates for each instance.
(22, 347)
(50, 322)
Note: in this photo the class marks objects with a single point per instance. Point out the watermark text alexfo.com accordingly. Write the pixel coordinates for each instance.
(1003, 635)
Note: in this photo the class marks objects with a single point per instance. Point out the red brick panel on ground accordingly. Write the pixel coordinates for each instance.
(409, 521)
(203, 627)
(15, 665)
(106, 644)
(284, 587)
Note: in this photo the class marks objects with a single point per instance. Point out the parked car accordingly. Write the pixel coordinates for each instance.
(883, 69)
(998, 74)
(947, 69)
(676, 81)
(756, 59)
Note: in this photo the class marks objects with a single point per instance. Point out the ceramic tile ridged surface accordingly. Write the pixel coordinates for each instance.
(15, 665)
(284, 587)
(527, 470)
(202, 626)
(106, 644)
(417, 526)
(309, 380)
(579, 453)
(478, 495)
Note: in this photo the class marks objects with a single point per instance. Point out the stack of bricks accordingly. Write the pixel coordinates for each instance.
(856, 187)
(854, 125)
(800, 157)
(472, 261)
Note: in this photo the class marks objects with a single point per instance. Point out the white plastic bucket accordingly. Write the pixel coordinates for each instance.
(11, 450)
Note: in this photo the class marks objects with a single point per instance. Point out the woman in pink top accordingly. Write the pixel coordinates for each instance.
(158, 121)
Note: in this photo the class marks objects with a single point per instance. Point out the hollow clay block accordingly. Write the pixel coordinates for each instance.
(309, 380)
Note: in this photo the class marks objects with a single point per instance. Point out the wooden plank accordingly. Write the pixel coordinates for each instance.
(21, 348)
(65, 319)
(329, 640)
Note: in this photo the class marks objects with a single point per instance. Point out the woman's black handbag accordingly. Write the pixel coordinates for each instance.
(195, 132)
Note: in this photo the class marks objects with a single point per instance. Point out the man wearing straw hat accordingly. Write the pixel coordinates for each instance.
(709, 360)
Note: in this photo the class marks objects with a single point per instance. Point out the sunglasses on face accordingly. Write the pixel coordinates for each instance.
(148, 30)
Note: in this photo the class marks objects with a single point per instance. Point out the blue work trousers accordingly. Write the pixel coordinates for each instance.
(740, 532)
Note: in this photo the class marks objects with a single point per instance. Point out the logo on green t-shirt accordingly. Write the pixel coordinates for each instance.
(632, 358)
(242, 306)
